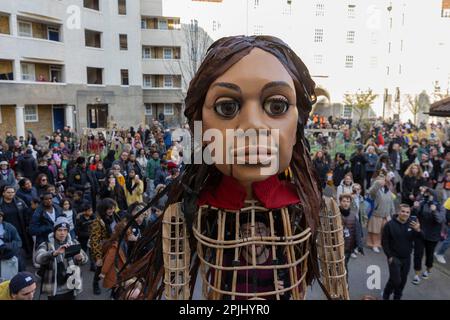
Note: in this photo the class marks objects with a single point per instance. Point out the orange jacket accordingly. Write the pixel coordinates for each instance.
(108, 268)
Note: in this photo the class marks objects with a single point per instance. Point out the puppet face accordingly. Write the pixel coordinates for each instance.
(255, 93)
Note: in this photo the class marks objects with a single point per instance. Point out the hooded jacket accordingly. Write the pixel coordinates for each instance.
(41, 224)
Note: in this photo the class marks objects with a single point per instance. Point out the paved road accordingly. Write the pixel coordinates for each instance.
(437, 287)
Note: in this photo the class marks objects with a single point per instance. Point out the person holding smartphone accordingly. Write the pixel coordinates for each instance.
(397, 242)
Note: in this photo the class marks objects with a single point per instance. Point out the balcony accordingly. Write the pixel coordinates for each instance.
(151, 7)
(161, 66)
(37, 93)
(162, 95)
(156, 37)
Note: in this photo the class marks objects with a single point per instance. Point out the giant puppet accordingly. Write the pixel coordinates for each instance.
(240, 233)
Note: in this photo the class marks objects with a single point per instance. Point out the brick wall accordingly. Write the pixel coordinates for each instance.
(43, 127)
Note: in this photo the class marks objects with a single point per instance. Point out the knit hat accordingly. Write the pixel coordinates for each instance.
(61, 222)
(20, 281)
(3, 162)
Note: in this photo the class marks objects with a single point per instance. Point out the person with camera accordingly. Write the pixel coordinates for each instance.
(101, 230)
(60, 257)
(384, 209)
(398, 239)
(431, 215)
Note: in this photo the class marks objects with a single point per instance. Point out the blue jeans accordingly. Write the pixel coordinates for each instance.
(445, 244)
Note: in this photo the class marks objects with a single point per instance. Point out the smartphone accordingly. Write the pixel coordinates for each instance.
(413, 218)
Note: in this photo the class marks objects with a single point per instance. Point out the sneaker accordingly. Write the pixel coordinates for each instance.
(376, 250)
(354, 256)
(416, 280)
(440, 258)
(426, 274)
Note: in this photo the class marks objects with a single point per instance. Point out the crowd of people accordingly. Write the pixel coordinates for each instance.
(399, 173)
(63, 204)
(71, 200)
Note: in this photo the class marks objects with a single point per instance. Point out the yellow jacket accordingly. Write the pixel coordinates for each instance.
(136, 194)
(4, 291)
(447, 204)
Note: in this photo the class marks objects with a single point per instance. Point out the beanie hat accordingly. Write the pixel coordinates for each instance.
(81, 160)
(61, 222)
(20, 281)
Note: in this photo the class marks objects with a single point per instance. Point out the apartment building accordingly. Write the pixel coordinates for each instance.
(394, 47)
(162, 77)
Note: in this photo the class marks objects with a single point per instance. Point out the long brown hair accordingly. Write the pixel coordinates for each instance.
(223, 54)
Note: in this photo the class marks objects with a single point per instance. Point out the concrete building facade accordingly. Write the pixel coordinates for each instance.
(82, 63)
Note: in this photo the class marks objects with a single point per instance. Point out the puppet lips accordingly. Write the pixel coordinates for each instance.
(255, 154)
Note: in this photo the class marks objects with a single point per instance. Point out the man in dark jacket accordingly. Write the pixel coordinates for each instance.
(397, 241)
(43, 168)
(358, 162)
(109, 159)
(26, 191)
(431, 215)
(351, 227)
(17, 213)
(10, 242)
(341, 168)
(83, 180)
(26, 165)
(44, 218)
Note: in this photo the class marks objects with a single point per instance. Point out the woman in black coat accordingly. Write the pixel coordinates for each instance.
(322, 167)
(412, 181)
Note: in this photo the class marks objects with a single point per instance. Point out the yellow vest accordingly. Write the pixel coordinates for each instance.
(4, 291)
(447, 204)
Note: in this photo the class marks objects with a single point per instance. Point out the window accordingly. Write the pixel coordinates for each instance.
(31, 113)
(123, 39)
(258, 29)
(122, 7)
(53, 33)
(162, 24)
(4, 24)
(25, 29)
(168, 53)
(373, 62)
(124, 77)
(143, 23)
(168, 109)
(318, 59)
(349, 61)
(146, 53)
(445, 13)
(147, 83)
(6, 70)
(93, 38)
(28, 73)
(351, 11)
(320, 9)
(318, 35)
(347, 112)
(56, 74)
(94, 75)
(168, 81)
(350, 36)
(216, 25)
(373, 38)
(92, 4)
(148, 109)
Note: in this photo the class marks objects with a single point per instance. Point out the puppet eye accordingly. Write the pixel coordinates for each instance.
(276, 106)
(227, 108)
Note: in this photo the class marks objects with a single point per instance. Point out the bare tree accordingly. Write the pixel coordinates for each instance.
(361, 101)
(413, 105)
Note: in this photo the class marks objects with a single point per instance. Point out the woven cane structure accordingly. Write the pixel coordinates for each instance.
(220, 242)
(330, 247)
(176, 254)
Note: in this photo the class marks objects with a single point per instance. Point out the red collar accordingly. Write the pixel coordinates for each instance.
(230, 194)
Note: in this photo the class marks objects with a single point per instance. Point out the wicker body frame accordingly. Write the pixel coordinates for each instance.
(176, 254)
(219, 245)
(330, 247)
